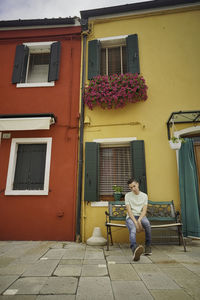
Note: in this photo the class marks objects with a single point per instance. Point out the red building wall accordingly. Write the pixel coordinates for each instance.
(50, 217)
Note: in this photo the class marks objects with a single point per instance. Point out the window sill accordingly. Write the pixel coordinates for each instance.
(25, 193)
(35, 84)
(99, 204)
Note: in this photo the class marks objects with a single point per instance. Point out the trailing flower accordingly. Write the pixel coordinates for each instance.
(115, 91)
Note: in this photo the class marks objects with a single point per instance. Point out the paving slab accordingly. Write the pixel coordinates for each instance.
(195, 268)
(118, 259)
(94, 254)
(170, 295)
(158, 280)
(41, 268)
(5, 261)
(19, 297)
(71, 262)
(74, 254)
(14, 269)
(191, 287)
(54, 254)
(94, 270)
(60, 285)
(68, 270)
(130, 290)
(122, 272)
(94, 261)
(26, 285)
(55, 297)
(6, 281)
(94, 288)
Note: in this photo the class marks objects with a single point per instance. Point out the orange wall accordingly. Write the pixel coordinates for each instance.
(36, 217)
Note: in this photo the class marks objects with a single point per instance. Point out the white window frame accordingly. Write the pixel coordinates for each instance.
(39, 47)
(110, 42)
(106, 143)
(12, 165)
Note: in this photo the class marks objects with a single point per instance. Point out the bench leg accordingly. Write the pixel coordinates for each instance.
(181, 238)
(109, 233)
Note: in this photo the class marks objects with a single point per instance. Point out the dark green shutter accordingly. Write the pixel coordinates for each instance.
(94, 57)
(138, 164)
(30, 167)
(132, 51)
(54, 65)
(20, 64)
(91, 171)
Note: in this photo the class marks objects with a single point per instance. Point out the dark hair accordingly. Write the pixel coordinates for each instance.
(132, 180)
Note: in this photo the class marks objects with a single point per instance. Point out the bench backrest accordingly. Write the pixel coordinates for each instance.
(157, 211)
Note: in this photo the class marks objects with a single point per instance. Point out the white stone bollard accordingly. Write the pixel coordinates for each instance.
(96, 239)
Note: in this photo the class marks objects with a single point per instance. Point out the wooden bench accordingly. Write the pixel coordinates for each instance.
(161, 215)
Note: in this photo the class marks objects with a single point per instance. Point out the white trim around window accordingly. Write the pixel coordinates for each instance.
(12, 164)
(35, 84)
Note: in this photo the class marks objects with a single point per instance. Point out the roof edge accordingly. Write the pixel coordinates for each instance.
(156, 4)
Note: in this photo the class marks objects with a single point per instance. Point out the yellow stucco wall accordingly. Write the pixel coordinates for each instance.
(169, 47)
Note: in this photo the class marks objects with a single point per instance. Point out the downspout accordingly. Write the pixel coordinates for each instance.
(80, 163)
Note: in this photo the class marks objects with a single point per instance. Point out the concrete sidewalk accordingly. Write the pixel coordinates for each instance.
(67, 270)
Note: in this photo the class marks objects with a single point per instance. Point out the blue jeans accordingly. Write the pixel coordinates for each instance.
(132, 231)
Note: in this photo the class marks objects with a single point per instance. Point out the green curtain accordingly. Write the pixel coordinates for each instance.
(189, 190)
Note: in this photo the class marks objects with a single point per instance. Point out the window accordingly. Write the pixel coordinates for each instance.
(113, 58)
(29, 167)
(117, 55)
(113, 164)
(36, 64)
(115, 168)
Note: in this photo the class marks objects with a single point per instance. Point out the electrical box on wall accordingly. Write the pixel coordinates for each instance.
(6, 136)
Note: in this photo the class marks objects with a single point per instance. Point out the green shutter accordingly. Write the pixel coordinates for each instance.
(30, 167)
(91, 171)
(138, 164)
(54, 65)
(20, 64)
(132, 51)
(94, 57)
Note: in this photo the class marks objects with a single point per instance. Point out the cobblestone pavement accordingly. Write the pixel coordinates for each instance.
(67, 270)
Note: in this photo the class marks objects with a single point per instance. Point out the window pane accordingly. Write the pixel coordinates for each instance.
(30, 167)
(103, 61)
(38, 67)
(115, 168)
(114, 61)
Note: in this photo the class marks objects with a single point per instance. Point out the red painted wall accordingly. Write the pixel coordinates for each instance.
(49, 217)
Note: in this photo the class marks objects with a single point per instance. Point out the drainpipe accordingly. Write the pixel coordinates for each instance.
(80, 163)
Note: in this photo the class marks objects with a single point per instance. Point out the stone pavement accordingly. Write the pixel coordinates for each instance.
(69, 271)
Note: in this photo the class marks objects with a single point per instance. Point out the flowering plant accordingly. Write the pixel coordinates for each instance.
(115, 91)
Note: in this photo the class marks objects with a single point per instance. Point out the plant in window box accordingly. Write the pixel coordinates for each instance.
(117, 192)
(115, 91)
(175, 143)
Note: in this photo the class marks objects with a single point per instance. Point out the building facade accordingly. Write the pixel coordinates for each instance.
(39, 125)
(159, 40)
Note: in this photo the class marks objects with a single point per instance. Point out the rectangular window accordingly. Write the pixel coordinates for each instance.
(113, 161)
(38, 67)
(29, 167)
(113, 55)
(36, 64)
(115, 168)
(113, 60)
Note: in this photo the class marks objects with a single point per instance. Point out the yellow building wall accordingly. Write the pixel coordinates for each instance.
(169, 47)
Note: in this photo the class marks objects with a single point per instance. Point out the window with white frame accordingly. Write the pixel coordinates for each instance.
(29, 167)
(115, 168)
(36, 64)
(113, 57)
